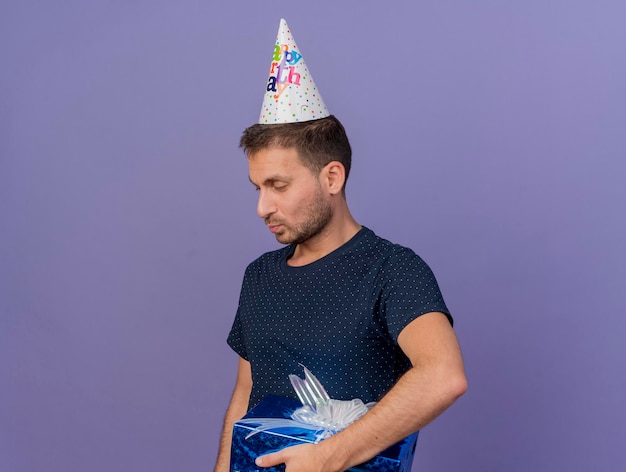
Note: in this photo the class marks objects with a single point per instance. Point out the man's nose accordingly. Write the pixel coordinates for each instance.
(265, 206)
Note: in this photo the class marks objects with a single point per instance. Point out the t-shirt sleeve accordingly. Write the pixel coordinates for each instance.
(236, 339)
(409, 291)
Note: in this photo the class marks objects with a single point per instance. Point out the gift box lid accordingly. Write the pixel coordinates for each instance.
(277, 407)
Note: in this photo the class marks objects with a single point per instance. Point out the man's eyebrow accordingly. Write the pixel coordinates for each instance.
(271, 179)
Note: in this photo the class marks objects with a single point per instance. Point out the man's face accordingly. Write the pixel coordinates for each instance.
(291, 200)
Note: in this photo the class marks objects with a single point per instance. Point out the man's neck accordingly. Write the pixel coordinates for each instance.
(332, 237)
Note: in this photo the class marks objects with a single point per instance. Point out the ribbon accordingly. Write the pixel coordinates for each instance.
(319, 412)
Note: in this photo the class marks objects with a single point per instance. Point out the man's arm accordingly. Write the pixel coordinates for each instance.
(435, 381)
(236, 410)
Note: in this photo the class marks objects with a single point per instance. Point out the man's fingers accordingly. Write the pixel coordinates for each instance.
(269, 460)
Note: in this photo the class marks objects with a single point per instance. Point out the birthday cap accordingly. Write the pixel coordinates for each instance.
(291, 94)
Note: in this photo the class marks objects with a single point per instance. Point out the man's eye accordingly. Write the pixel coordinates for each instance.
(280, 188)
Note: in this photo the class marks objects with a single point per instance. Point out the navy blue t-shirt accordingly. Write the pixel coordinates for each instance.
(339, 316)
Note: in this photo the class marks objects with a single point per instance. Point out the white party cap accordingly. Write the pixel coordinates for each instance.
(291, 94)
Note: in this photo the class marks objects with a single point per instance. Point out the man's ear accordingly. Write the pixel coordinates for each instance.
(333, 176)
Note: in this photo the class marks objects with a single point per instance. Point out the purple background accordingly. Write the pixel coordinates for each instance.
(489, 136)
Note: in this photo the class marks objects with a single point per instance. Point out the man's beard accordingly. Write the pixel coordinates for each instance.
(319, 215)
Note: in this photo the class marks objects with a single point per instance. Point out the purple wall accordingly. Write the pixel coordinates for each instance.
(489, 136)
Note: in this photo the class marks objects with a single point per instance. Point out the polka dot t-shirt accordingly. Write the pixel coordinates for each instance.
(339, 316)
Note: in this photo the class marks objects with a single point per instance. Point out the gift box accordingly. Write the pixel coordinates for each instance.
(261, 432)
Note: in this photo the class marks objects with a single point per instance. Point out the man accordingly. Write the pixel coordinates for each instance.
(364, 315)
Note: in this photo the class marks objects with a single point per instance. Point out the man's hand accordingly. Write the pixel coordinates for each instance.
(300, 458)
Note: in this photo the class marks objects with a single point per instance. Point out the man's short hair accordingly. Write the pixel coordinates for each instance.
(317, 142)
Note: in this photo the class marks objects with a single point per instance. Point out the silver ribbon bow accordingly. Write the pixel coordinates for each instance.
(318, 413)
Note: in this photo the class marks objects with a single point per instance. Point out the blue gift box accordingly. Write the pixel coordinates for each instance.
(246, 446)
